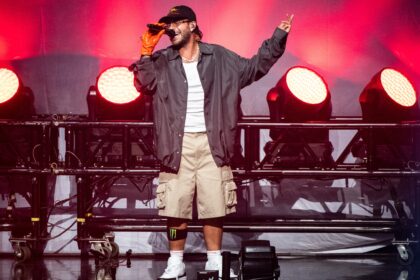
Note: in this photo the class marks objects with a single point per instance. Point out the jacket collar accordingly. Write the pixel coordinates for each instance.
(204, 49)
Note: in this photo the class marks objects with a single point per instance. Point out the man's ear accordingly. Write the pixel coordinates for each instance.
(193, 25)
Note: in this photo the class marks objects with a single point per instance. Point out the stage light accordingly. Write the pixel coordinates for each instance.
(389, 97)
(306, 85)
(16, 100)
(301, 95)
(115, 98)
(398, 87)
(9, 84)
(17, 142)
(116, 85)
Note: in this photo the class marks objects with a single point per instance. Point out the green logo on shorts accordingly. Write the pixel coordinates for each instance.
(172, 233)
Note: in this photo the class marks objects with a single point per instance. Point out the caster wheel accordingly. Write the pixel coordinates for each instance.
(115, 250)
(23, 253)
(405, 255)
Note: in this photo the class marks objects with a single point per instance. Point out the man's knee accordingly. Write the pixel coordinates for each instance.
(176, 234)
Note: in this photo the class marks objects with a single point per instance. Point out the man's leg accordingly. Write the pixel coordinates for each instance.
(177, 235)
(215, 193)
(213, 231)
(177, 200)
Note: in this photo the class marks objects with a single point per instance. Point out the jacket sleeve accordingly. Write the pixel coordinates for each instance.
(145, 75)
(271, 50)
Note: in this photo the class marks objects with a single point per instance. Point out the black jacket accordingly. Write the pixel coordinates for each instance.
(223, 74)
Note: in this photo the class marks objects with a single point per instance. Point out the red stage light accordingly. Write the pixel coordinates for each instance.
(9, 84)
(116, 85)
(300, 95)
(306, 85)
(398, 87)
(389, 97)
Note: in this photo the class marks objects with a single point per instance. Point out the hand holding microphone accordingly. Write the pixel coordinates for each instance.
(154, 28)
(151, 37)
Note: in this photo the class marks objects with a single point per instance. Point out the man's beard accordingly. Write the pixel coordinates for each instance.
(185, 38)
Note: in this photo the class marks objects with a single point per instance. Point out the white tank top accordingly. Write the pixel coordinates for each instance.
(194, 121)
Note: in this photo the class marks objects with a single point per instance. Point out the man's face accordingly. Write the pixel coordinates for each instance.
(182, 33)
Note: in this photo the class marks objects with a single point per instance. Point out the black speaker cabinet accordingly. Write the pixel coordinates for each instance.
(258, 261)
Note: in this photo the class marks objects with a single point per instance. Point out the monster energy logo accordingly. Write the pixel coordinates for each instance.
(172, 233)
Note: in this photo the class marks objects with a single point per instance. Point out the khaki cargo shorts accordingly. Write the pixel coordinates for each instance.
(216, 190)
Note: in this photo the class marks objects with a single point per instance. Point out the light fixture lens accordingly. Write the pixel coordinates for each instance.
(398, 87)
(116, 85)
(306, 85)
(9, 84)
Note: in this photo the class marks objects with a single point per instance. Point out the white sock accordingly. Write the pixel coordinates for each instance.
(213, 256)
(177, 255)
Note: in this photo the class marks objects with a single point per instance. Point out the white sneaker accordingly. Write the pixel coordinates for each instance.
(174, 270)
(218, 265)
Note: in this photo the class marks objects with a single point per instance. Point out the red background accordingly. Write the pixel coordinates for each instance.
(59, 46)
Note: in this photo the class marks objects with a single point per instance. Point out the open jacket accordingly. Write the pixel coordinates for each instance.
(223, 74)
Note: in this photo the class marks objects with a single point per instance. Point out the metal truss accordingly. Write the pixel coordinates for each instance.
(126, 149)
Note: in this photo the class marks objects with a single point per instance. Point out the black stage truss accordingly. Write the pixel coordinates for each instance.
(125, 149)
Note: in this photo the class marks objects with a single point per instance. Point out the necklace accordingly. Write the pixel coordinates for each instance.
(192, 59)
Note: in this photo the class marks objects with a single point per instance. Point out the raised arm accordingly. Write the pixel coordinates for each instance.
(270, 51)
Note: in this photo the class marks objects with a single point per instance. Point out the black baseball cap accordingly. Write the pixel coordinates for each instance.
(178, 13)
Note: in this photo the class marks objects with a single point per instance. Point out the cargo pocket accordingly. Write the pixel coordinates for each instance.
(162, 189)
(230, 194)
(161, 196)
(229, 188)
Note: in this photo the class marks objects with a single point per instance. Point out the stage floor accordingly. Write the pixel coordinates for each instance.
(370, 267)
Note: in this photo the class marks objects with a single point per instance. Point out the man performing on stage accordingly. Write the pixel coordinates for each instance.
(196, 89)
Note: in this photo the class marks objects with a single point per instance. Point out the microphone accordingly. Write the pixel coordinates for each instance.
(155, 29)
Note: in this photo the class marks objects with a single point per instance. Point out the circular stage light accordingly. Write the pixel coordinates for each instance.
(398, 87)
(301, 95)
(9, 84)
(306, 85)
(116, 84)
(389, 97)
